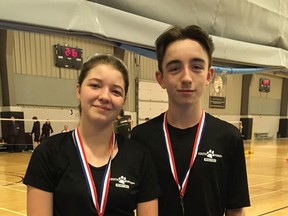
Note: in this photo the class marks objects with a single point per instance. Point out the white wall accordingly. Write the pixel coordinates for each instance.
(57, 116)
(153, 100)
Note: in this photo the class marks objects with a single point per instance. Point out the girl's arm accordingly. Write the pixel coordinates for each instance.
(148, 208)
(235, 212)
(39, 202)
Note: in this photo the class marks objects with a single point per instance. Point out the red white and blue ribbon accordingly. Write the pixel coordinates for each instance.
(182, 187)
(100, 204)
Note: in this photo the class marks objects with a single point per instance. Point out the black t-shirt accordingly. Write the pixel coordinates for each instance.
(55, 167)
(218, 178)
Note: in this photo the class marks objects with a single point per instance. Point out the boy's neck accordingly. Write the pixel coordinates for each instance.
(184, 118)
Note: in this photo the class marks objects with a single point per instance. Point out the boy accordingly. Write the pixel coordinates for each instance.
(199, 159)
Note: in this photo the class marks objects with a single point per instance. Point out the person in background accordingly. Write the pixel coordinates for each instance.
(65, 129)
(13, 133)
(123, 124)
(46, 130)
(36, 132)
(199, 159)
(91, 170)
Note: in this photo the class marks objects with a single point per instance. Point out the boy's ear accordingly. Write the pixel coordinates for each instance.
(210, 75)
(159, 77)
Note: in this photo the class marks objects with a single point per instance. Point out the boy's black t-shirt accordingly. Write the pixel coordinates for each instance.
(218, 178)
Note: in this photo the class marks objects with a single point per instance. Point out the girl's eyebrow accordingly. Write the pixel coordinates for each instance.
(94, 79)
(99, 80)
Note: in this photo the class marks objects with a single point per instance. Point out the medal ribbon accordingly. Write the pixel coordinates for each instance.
(182, 188)
(101, 203)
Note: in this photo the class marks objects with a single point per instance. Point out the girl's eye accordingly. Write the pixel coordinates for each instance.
(117, 93)
(95, 85)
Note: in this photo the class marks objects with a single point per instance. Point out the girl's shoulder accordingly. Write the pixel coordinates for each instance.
(130, 145)
(57, 142)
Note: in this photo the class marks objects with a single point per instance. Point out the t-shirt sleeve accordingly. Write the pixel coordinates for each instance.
(41, 171)
(135, 135)
(149, 188)
(238, 193)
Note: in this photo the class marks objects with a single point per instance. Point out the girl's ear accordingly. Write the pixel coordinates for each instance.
(78, 87)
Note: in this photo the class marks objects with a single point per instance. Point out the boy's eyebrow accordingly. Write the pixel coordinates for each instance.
(172, 62)
(198, 60)
(176, 61)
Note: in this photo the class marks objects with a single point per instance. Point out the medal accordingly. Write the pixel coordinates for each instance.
(100, 203)
(182, 187)
(182, 204)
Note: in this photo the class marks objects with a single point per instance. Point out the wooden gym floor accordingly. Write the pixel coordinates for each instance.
(267, 169)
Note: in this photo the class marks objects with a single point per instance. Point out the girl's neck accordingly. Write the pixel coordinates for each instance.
(96, 142)
(95, 134)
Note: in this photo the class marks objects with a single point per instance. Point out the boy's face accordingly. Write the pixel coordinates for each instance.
(185, 72)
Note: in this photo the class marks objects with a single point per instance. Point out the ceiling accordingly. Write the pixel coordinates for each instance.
(263, 22)
(254, 24)
(246, 33)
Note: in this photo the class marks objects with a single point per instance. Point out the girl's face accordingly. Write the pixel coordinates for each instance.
(102, 94)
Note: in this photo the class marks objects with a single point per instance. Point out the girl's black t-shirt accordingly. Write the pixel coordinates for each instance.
(55, 167)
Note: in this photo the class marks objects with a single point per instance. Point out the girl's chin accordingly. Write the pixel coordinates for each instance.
(103, 119)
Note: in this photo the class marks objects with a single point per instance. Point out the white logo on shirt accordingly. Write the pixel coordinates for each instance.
(210, 156)
(122, 182)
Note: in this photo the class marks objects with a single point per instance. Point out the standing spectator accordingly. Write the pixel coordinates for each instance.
(13, 133)
(36, 132)
(46, 130)
(65, 129)
(199, 159)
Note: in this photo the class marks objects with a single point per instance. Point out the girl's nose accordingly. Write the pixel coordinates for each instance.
(104, 95)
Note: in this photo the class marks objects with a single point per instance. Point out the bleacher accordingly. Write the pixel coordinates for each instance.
(262, 136)
(3, 145)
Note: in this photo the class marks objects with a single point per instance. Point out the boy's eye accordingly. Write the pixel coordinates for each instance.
(173, 68)
(197, 67)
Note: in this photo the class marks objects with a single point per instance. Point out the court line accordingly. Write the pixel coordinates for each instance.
(275, 210)
(11, 188)
(264, 194)
(265, 183)
(14, 174)
(8, 210)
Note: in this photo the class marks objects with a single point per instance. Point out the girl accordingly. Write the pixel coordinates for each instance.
(90, 170)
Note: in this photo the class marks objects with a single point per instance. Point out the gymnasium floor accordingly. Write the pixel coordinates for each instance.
(266, 166)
